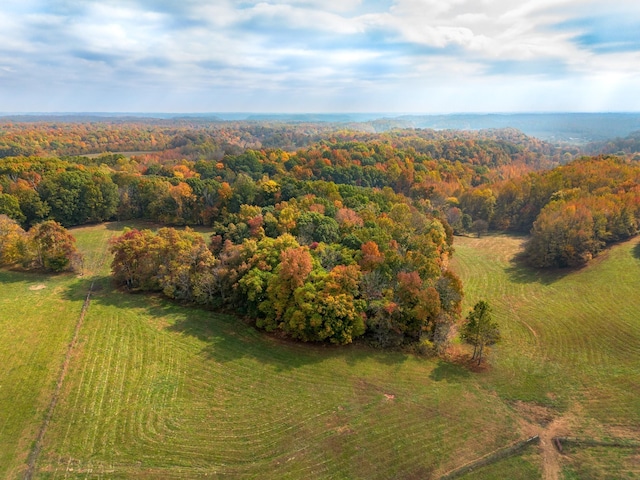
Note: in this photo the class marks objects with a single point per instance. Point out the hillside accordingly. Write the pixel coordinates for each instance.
(158, 390)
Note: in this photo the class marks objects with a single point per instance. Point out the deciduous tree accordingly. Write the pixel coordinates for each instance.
(52, 248)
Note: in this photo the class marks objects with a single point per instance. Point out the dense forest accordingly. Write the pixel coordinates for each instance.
(319, 233)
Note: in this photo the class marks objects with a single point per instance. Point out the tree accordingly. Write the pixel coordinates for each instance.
(52, 248)
(10, 207)
(31, 205)
(134, 264)
(480, 227)
(172, 261)
(77, 196)
(479, 203)
(12, 238)
(564, 235)
(480, 329)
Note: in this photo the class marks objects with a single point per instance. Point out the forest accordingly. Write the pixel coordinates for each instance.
(320, 233)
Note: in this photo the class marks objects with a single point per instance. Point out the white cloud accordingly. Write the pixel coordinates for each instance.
(327, 5)
(331, 49)
(289, 16)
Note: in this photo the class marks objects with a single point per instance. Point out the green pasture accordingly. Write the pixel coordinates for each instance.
(157, 390)
(38, 314)
(570, 336)
(571, 344)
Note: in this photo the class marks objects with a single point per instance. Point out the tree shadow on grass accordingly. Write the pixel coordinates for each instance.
(636, 251)
(18, 276)
(229, 338)
(34, 278)
(449, 372)
(118, 226)
(226, 337)
(520, 272)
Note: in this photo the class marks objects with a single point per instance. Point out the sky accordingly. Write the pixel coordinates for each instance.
(297, 56)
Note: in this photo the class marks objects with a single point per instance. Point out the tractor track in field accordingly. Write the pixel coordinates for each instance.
(37, 447)
(32, 459)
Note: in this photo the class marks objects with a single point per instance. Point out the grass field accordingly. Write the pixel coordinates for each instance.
(156, 390)
(571, 352)
(38, 314)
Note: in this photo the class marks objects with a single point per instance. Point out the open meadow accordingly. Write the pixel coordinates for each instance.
(570, 356)
(152, 389)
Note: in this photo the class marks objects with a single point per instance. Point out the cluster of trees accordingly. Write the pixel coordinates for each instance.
(191, 138)
(629, 145)
(480, 329)
(194, 179)
(37, 189)
(48, 138)
(331, 266)
(47, 246)
(572, 211)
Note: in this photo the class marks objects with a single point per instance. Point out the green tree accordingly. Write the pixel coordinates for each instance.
(77, 196)
(480, 329)
(31, 205)
(10, 206)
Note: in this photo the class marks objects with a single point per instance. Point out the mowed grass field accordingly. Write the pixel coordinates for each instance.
(38, 314)
(570, 358)
(156, 390)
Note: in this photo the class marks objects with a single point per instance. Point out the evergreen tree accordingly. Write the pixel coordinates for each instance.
(480, 329)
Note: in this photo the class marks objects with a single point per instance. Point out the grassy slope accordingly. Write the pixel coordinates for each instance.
(571, 339)
(155, 390)
(36, 325)
(569, 336)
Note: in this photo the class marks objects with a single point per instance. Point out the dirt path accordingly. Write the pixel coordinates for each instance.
(35, 451)
(551, 469)
(538, 420)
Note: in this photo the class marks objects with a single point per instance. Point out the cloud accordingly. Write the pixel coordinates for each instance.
(347, 52)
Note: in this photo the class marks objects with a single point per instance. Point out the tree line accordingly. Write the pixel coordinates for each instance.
(471, 181)
(47, 246)
(572, 211)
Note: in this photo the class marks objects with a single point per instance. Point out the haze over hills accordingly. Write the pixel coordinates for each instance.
(575, 128)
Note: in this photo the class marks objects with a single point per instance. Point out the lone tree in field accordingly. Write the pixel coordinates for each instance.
(480, 227)
(480, 329)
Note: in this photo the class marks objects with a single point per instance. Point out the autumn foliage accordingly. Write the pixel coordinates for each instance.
(47, 246)
(319, 233)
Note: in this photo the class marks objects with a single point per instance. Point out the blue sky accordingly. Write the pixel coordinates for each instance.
(396, 56)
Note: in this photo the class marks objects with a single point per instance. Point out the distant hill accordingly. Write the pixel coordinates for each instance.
(575, 128)
(572, 128)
